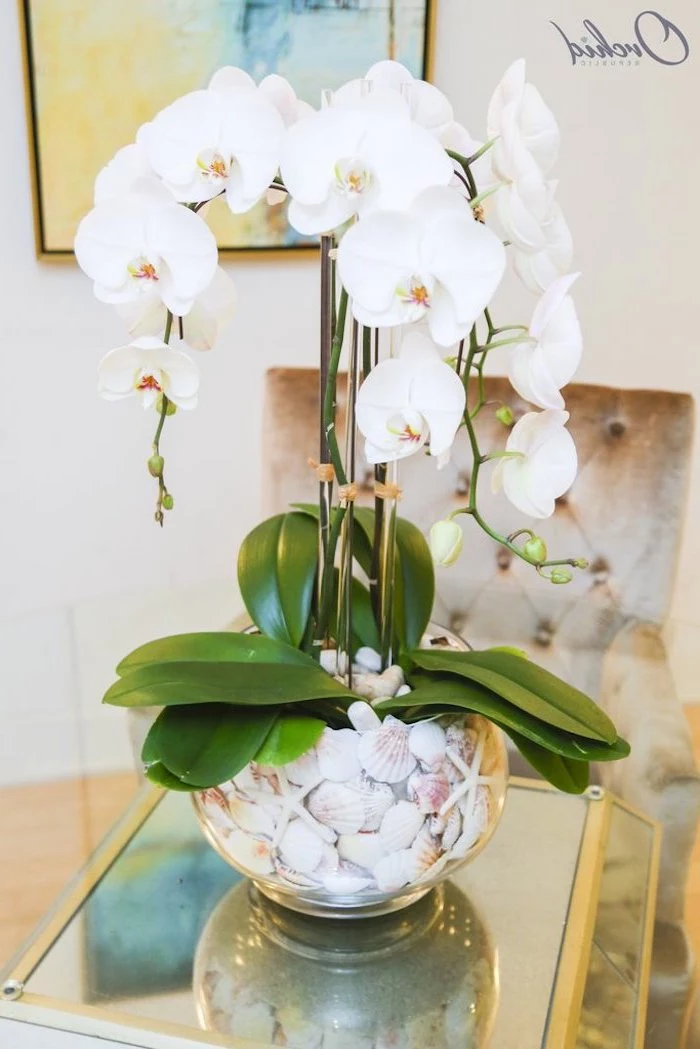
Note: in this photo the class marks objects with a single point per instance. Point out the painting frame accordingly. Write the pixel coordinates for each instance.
(60, 255)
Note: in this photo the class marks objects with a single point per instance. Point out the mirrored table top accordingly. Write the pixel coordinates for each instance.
(542, 942)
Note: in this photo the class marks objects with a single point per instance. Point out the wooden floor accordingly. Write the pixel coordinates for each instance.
(47, 831)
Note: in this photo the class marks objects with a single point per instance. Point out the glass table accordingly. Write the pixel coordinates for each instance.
(544, 942)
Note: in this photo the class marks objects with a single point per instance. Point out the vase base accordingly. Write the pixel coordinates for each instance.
(343, 908)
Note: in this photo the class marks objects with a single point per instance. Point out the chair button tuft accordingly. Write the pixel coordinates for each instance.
(544, 634)
(616, 428)
(503, 559)
(600, 570)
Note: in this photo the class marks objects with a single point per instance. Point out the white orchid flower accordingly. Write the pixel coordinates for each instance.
(212, 310)
(537, 269)
(146, 368)
(433, 261)
(408, 401)
(352, 160)
(542, 464)
(284, 98)
(538, 370)
(428, 106)
(227, 137)
(145, 243)
(127, 166)
(518, 118)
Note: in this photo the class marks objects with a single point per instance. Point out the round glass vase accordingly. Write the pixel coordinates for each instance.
(367, 822)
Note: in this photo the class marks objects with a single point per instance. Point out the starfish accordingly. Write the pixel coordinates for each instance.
(468, 787)
(290, 801)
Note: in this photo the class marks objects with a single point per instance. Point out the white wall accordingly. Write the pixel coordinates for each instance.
(85, 573)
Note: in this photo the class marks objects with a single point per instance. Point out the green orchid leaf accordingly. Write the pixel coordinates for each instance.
(236, 684)
(277, 567)
(210, 743)
(449, 692)
(364, 625)
(566, 774)
(288, 739)
(527, 686)
(162, 777)
(213, 647)
(362, 543)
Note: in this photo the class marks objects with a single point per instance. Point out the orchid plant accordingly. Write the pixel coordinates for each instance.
(416, 222)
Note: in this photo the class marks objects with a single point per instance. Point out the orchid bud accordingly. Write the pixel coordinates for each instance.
(560, 576)
(582, 563)
(155, 465)
(505, 415)
(168, 501)
(170, 410)
(446, 541)
(535, 550)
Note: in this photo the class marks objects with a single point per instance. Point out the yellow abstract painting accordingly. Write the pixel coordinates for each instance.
(98, 69)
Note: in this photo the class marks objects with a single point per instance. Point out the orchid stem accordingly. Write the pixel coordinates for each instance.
(163, 493)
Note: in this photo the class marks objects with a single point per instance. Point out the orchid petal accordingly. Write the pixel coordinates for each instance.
(188, 247)
(118, 176)
(374, 256)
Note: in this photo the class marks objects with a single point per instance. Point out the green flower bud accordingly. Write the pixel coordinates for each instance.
(446, 541)
(582, 563)
(505, 415)
(535, 550)
(171, 409)
(561, 576)
(168, 501)
(155, 465)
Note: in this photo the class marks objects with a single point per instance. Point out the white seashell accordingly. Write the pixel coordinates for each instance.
(330, 861)
(394, 871)
(254, 1022)
(304, 769)
(453, 829)
(405, 690)
(364, 849)
(337, 754)
(377, 798)
(253, 854)
(337, 806)
(425, 851)
(251, 817)
(329, 660)
(431, 790)
(346, 880)
(437, 824)
(296, 1030)
(384, 752)
(247, 779)
(295, 878)
(362, 717)
(300, 848)
(432, 872)
(368, 659)
(427, 742)
(400, 826)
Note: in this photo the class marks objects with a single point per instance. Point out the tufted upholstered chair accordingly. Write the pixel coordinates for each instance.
(602, 631)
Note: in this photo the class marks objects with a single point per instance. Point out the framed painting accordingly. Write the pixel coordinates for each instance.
(96, 70)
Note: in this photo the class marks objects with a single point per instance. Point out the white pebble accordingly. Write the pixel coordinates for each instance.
(329, 660)
(369, 659)
(403, 691)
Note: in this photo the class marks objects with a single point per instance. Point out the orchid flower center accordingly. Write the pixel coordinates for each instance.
(416, 294)
(143, 271)
(352, 178)
(145, 381)
(407, 427)
(213, 166)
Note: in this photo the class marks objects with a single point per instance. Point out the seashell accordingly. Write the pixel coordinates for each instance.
(338, 758)
(253, 854)
(300, 847)
(330, 860)
(400, 826)
(437, 824)
(453, 828)
(293, 877)
(362, 717)
(267, 778)
(364, 849)
(251, 817)
(462, 742)
(295, 1030)
(384, 752)
(246, 779)
(255, 1022)
(394, 871)
(328, 659)
(476, 815)
(303, 770)
(337, 806)
(425, 851)
(378, 686)
(346, 880)
(377, 798)
(433, 871)
(427, 742)
(431, 790)
(368, 659)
